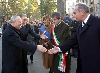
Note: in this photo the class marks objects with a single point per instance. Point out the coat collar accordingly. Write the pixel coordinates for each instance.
(85, 21)
(16, 30)
(90, 20)
(60, 25)
(89, 23)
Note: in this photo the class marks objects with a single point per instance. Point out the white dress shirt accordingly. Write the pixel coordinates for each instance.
(85, 21)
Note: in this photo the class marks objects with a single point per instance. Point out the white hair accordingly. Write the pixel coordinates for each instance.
(13, 19)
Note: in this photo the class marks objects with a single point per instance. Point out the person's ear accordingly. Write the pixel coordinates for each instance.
(82, 12)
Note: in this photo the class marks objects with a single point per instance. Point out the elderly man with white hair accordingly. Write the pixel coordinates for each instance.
(12, 46)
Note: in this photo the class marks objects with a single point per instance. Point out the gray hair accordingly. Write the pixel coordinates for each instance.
(13, 19)
(56, 14)
(21, 15)
(82, 6)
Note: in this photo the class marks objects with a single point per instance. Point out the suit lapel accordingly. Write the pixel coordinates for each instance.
(86, 26)
(80, 28)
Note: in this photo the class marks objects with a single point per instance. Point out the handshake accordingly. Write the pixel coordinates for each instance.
(50, 51)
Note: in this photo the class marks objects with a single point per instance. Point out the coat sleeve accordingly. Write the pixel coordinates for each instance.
(69, 43)
(35, 35)
(15, 40)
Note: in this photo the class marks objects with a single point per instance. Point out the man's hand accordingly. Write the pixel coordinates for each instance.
(43, 36)
(53, 50)
(41, 48)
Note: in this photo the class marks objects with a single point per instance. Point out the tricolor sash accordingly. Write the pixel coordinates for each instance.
(62, 61)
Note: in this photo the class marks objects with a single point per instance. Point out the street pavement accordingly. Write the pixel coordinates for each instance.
(37, 66)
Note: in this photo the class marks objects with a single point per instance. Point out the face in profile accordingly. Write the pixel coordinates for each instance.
(55, 20)
(18, 23)
(77, 14)
(24, 20)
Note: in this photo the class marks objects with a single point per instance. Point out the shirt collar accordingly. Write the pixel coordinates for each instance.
(57, 24)
(85, 21)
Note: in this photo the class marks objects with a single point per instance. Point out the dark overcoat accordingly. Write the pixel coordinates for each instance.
(62, 33)
(73, 24)
(25, 30)
(12, 46)
(88, 39)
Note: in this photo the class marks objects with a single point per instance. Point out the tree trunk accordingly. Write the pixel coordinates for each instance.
(61, 6)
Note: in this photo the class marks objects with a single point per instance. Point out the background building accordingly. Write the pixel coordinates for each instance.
(93, 6)
(70, 4)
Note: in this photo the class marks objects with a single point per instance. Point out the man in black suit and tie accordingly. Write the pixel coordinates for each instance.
(12, 46)
(88, 39)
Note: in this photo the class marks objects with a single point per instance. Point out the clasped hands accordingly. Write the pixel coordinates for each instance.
(43, 49)
(50, 51)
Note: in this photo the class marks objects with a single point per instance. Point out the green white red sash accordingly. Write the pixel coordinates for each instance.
(62, 61)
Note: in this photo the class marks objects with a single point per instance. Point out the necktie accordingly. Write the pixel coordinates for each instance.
(83, 24)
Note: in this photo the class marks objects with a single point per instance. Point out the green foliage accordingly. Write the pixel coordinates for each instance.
(47, 6)
(30, 7)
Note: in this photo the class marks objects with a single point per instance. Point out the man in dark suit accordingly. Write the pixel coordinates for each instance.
(12, 46)
(88, 39)
(25, 30)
